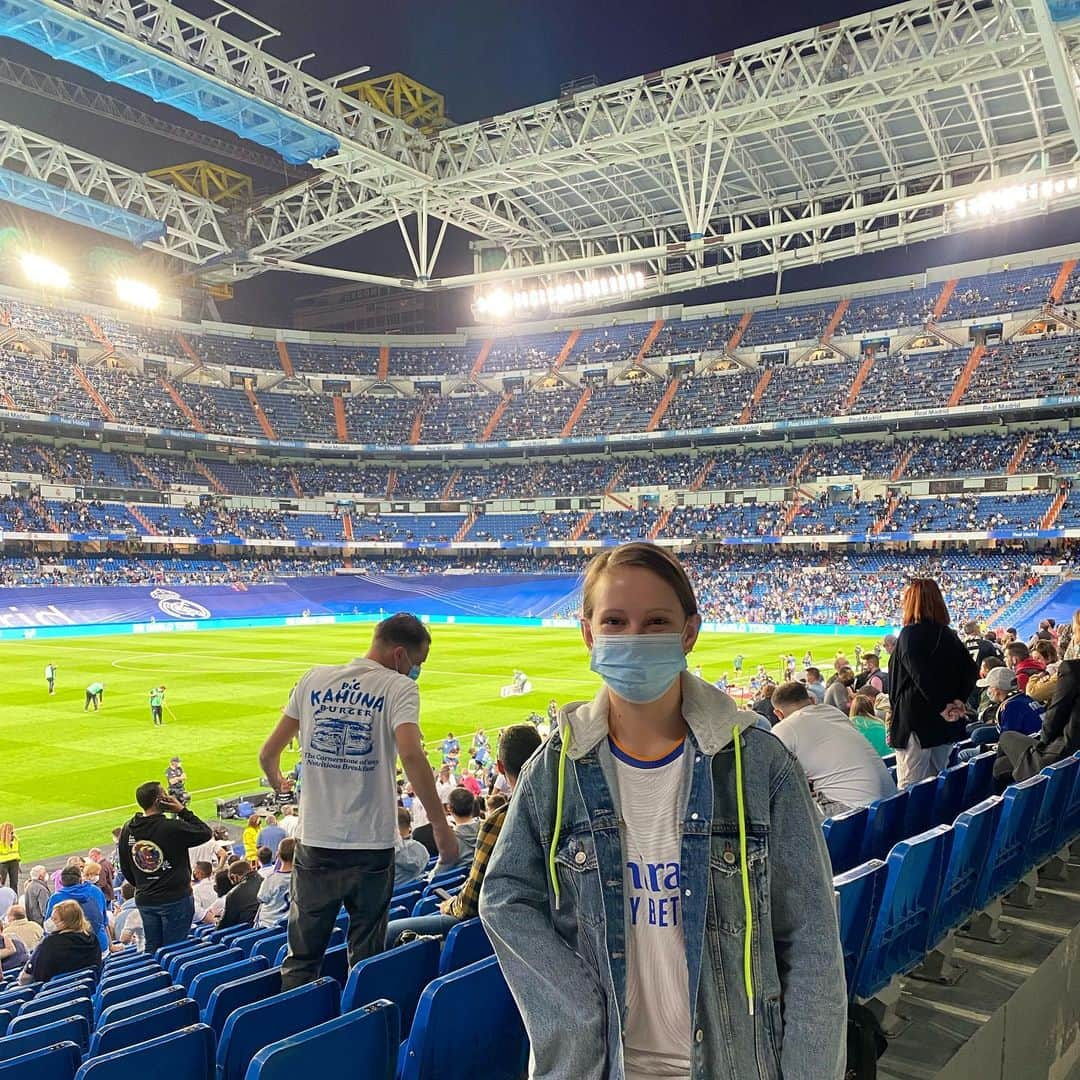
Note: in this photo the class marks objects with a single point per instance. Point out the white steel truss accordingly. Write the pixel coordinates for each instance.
(849, 137)
(193, 226)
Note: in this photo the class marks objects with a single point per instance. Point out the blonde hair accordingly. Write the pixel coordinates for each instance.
(67, 915)
(91, 870)
(647, 556)
(7, 833)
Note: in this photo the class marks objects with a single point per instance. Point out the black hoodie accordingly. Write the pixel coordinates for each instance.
(153, 852)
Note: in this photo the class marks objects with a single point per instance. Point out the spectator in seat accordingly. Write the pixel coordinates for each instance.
(843, 769)
(931, 676)
(106, 872)
(516, 745)
(815, 685)
(1023, 756)
(275, 890)
(264, 857)
(865, 720)
(13, 953)
(763, 705)
(669, 751)
(88, 896)
(1019, 659)
(466, 828)
(202, 888)
(18, 925)
(242, 903)
(839, 692)
(128, 929)
(411, 857)
(289, 821)
(72, 947)
(872, 679)
(37, 895)
(270, 835)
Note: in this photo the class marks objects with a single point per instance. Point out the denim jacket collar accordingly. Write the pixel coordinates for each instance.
(710, 714)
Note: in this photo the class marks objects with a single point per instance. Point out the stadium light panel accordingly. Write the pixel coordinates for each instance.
(44, 272)
(1005, 199)
(501, 303)
(137, 294)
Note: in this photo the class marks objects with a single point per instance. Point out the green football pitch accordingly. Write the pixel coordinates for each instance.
(67, 777)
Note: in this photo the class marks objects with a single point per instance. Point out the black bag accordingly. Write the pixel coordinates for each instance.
(866, 1042)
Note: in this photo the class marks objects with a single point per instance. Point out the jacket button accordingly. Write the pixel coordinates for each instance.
(699, 1036)
(580, 857)
(729, 857)
(693, 817)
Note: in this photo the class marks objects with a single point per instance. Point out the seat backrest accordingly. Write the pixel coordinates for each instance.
(465, 944)
(980, 778)
(973, 833)
(335, 964)
(898, 940)
(6, 1016)
(1070, 818)
(129, 974)
(230, 996)
(46, 1000)
(337, 939)
(949, 797)
(79, 1007)
(406, 899)
(58, 1061)
(884, 826)
(230, 932)
(75, 976)
(844, 838)
(1047, 836)
(187, 972)
(178, 959)
(137, 988)
(12, 999)
(202, 986)
(74, 1029)
(858, 899)
(147, 1003)
(164, 954)
(399, 975)
(475, 999)
(370, 1034)
(246, 942)
(427, 905)
(187, 1053)
(268, 947)
(252, 1027)
(1008, 850)
(136, 1029)
(920, 806)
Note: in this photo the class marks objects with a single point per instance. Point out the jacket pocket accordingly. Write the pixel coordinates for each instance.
(577, 869)
(725, 870)
(774, 1023)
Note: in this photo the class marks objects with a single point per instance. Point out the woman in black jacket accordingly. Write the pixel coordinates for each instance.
(1022, 756)
(931, 675)
(72, 947)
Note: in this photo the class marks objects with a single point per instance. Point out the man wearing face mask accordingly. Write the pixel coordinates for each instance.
(353, 721)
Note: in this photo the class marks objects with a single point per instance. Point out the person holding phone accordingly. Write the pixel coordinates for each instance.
(153, 852)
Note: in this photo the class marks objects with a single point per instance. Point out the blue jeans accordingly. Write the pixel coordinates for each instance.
(165, 924)
(422, 924)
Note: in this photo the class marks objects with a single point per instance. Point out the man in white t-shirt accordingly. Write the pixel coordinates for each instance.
(289, 821)
(354, 720)
(445, 783)
(844, 770)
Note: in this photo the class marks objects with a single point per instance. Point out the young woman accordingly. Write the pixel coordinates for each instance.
(9, 856)
(72, 948)
(660, 898)
(931, 676)
(251, 838)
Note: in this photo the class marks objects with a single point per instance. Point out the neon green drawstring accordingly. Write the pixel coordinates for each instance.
(560, 787)
(748, 965)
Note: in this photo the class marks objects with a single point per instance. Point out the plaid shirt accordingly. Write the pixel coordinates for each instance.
(466, 905)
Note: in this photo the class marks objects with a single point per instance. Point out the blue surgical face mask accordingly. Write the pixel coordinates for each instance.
(638, 667)
(414, 672)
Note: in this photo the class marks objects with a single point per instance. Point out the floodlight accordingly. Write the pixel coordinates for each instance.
(499, 303)
(44, 272)
(137, 294)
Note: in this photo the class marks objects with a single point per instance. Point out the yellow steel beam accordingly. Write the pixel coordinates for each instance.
(399, 95)
(208, 180)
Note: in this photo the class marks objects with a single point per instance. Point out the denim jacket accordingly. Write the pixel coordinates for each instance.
(565, 962)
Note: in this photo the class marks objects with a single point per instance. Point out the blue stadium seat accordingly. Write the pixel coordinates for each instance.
(246, 942)
(949, 798)
(226, 998)
(268, 947)
(920, 807)
(899, 937)
(56, 1062)
(187, 971)
(370, 1035)
(465, 944)
(427, 905)
(75, 976)
(134, 989)
(1070, 818)
(188, 1053)
(176, 960)
(226, 935)
(397, 912)
(844, 837)
(203, 986)
(337, 942)
(1004, 864)
(476, 1000)
(1048, 836)
(399, 975)
(117, 978)
(980, 778)
(335, 964)
(136, 1029)
(74, 1029)
(79, 1007)
(12, 999)
(406, 899)
(884, 826)
(136, 1006)
(66, 991)
(166, 952)
(6, 1016)
(252, 1027)
(859, 891)
(51, 1001)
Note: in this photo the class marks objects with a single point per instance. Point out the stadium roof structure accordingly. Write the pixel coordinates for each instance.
(904, 124)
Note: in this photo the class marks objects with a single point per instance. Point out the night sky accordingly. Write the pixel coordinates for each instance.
(486, 56)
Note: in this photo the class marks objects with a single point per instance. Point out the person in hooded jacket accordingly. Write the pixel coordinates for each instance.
(660, 889)
(88, 896)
